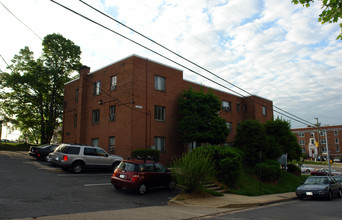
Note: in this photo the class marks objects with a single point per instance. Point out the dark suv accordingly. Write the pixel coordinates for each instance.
(142, 175)
(79, 157)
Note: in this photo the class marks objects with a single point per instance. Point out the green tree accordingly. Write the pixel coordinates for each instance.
(251, 139)
(280, 130)
(32, 94)
(332, 11)
(199, 119)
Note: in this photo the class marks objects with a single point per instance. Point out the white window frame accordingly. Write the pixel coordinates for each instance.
(264, 110)
(112, 110)
(301, 142)
(95, 142)
(113, 83)
(159, 143)
(159, 83)
(111, 144)
(337, 141)
(159, 113)
(97, 88)
(301, 134)
(96, 117)
(226, 106)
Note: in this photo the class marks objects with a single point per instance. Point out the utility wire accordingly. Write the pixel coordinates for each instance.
(5, 61)
(177, 54)
(21, 21)
(177, 63)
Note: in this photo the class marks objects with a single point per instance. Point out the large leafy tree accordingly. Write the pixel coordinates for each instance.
(280, 130)
(331, 11)
(199, 119)
(32, 93)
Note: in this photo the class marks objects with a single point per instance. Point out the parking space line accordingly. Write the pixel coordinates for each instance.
(98, 184)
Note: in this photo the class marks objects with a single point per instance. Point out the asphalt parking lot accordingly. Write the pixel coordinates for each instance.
(31, 188)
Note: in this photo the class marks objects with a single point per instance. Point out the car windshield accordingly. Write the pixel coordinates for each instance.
(311, 181)
(128, 166)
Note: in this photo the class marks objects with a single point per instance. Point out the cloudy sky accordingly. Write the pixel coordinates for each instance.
(269, 48)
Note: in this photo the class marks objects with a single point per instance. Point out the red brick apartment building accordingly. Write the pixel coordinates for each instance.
(132, 104)
(328, 137)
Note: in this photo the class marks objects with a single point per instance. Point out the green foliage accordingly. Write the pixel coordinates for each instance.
(199, 120)
(32, 97)
(250, 186)
(332, 11)
(280, 130)
(145, 153)
(268, 171)
(193, 170)
(227, 162)
(14, 146)
(292, 168)
(251, 140)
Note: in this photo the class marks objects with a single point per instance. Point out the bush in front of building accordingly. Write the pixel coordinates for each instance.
(148, 154)
(193, 170)
(227, 162)
(14, 146)
(268, 171)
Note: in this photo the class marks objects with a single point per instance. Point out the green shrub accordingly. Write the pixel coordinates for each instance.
(292, 168)
(146, 153)
(269, 171)
(227, 162)
(193, 170)
(14, 146)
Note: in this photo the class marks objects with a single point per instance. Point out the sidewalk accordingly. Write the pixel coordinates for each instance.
(183, 209)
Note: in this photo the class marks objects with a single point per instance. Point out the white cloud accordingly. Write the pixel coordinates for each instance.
(268, 47)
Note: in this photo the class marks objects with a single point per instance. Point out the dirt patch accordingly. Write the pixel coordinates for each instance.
(193, 195)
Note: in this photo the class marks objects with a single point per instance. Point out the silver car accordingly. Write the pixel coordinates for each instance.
(79, 157)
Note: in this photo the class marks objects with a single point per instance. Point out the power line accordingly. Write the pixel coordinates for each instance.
(180, 56)
(177, 63)
(21, 21)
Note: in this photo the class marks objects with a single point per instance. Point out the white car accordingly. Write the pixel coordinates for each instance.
(305, 168)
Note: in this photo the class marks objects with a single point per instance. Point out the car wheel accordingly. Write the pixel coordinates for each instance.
(307, 170)
(142, 189)
(339, 194)
(77, 167)
(172, 185)
(330, 195)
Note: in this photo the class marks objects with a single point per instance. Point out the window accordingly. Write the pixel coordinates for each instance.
(312, 141)
(321, 133)
(302, 142)
(160, 168)
(337, 148)
(311, 134)
(244, 108)
(95, 142)
(264, 110)
(303, 150)
(113, 83)
(301, 134)
(96, 116)
(159, 83)
(111, 144)
(323, 141)
(324, 149)
(237, 107)
(229, 126)
(336, 132)
(336, 141)
(226, 106)
(76, 95)
(159, 113)
(159, 143)
(90, 151)
(75, 121)
(97, 88)
(112, 113)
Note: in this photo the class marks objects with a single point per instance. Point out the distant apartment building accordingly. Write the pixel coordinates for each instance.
(326, 137)
(132, 104)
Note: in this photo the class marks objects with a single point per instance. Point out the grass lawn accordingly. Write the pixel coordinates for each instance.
(250, 185)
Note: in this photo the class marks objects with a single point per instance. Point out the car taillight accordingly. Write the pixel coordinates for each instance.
(65, 157)
(134, 177)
